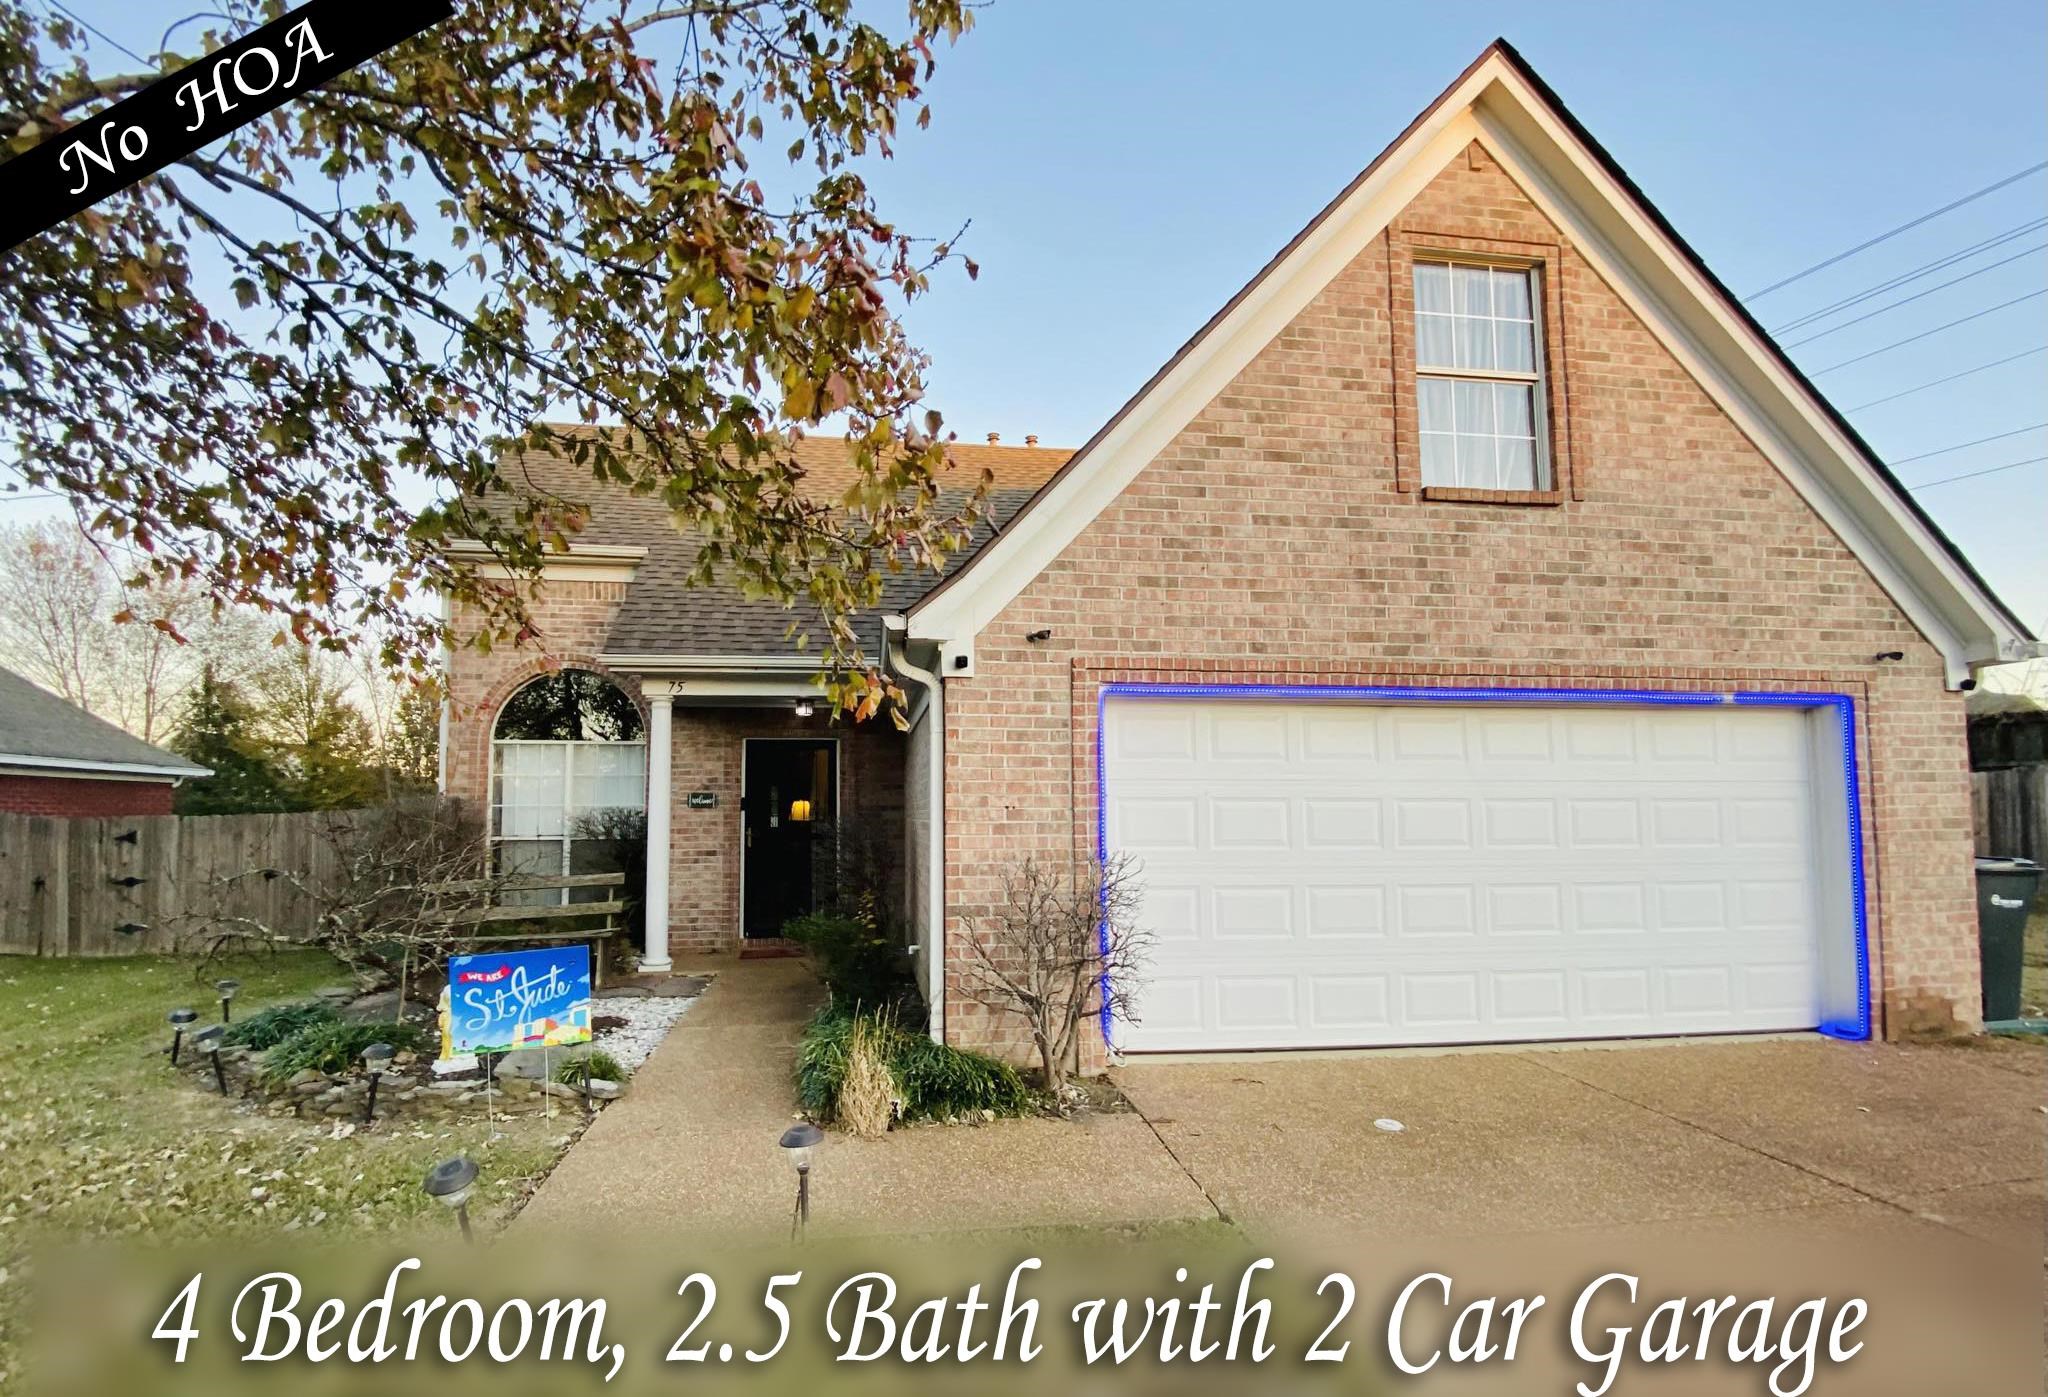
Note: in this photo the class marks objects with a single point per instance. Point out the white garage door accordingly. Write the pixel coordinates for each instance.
(1325, 875)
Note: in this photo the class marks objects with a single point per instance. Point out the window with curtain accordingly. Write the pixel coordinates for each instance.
(1479, 377)
(567, 747)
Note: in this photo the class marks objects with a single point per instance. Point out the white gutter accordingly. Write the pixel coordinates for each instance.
(142, 769)
(895, 630)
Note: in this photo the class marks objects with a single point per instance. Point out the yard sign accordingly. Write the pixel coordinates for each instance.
(517, 999)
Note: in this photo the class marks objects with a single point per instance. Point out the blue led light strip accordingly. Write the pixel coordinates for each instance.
(1844, 708)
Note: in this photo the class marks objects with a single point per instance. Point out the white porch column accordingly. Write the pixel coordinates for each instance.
(660, 694)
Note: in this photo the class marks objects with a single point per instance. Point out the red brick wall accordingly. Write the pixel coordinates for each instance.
(64, 796)
(704, 864)
(1281, 537)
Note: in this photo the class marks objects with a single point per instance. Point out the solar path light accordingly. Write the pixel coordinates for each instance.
(226, 989)
(181, 1019)
(376, 1061)
(800, 1143)
(450, 1183)
(208, 1041)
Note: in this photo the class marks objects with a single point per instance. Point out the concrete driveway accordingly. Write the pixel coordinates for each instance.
(1556, 1139)
(1496, 1143)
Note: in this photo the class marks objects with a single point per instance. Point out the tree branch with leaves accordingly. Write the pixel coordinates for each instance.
(286, 367)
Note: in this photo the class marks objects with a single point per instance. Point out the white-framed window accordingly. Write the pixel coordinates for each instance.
(1479, 376)
(568, 765)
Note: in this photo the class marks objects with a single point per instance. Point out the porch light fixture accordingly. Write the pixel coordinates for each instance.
(181, 1019)
(450, 1184)
(799, 811)
(800, 1143)
(208, 1041)
(376, 1060)
(803, 708)
(226, 990)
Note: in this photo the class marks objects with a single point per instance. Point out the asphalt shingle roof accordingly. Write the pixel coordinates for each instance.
(36, 723)
(662, 614)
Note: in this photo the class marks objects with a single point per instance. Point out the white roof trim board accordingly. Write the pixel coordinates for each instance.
(23, 764)
(1502, 104)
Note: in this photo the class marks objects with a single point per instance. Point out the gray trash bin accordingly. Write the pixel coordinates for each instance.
(2005, 894)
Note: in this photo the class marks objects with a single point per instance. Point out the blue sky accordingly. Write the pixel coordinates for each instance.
(1128, 165)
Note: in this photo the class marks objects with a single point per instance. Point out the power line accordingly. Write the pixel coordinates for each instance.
(2001, 436)
(1893, 233)
(1948, 378)
(1895, 344)
(8, 498)
(95, 30)
(1913, 274)
(1917, 295)
(1972, 475)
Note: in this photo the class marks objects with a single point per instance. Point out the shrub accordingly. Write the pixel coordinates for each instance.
(266, 1028)
(935, 1081)
(335, 1046)
(939, 1080)
(863, 967)
(603, 1067)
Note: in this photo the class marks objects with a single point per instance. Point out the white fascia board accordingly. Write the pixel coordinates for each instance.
(583, 562)
(1030, 543)
(685, 664)
(1780, 418)
(16, 763)
(741, 688)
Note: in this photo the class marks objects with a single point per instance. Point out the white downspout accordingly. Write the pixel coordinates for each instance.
(933, 710)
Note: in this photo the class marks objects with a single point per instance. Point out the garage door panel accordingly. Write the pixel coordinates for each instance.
(1349, 1002)
(1241, 913)
(1256, 1002)
(1441, 1001)
(1327, 875)
(1240, 822)
(1345, 912)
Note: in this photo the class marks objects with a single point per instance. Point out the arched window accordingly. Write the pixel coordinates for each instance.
(566, 747)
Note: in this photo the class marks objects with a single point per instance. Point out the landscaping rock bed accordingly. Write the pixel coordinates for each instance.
(629, 1028)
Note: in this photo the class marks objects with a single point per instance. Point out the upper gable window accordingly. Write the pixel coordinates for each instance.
(1478, 377)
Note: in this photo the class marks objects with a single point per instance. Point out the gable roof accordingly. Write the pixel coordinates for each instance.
(40, 730)
(1500, 102)
(663, 615)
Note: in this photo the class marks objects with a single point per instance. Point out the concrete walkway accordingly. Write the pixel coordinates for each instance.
(1496, 1142)
(692, 1147)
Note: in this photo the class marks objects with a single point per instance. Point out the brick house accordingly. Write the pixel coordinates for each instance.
(58, 760)
(1479, 631)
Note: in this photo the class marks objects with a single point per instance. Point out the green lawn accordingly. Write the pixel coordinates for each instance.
(99, 1138)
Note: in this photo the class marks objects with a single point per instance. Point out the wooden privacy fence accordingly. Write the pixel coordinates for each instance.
(2011, 808)
(131, 884)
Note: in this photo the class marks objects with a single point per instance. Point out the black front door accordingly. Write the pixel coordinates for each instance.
(787, 814)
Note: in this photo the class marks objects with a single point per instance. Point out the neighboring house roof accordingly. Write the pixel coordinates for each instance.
(1501, 103)
(663, 615)
(40, 731)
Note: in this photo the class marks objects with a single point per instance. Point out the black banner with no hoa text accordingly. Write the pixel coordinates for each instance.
(176, 115)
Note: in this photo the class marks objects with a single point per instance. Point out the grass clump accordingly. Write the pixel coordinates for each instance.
(868, 1095)
(933, 1081)
(266, 1028)
(603, 1068)
(335, 1046)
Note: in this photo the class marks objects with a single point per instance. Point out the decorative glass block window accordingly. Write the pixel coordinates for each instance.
(568, 778)
(1478, 377)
